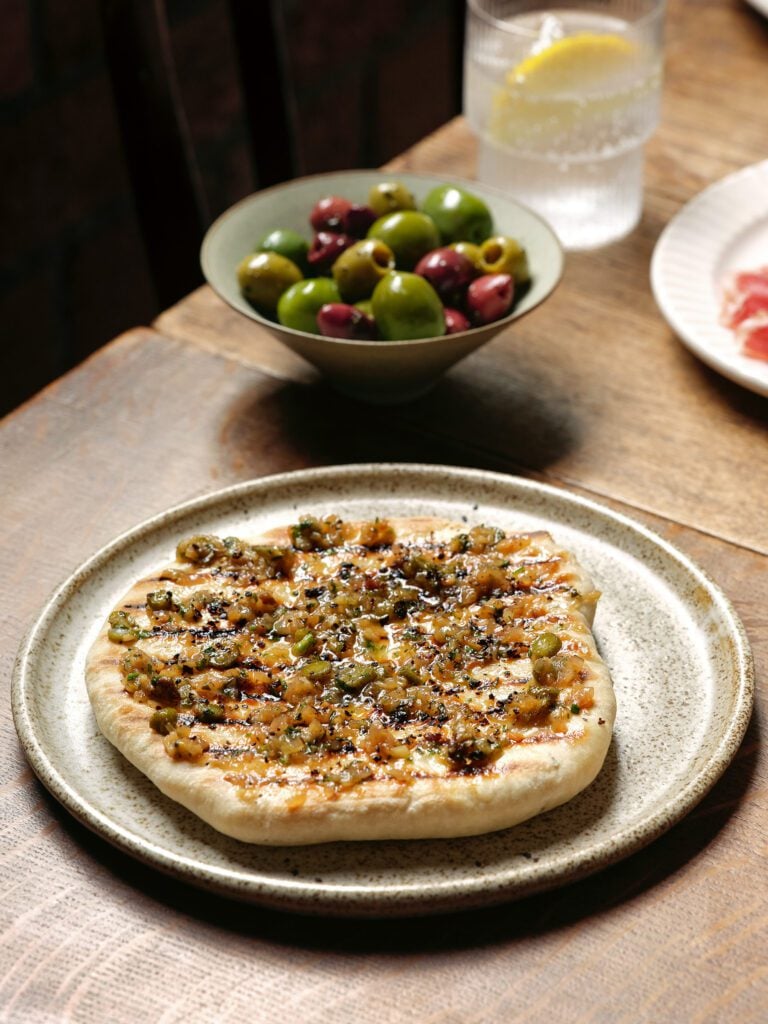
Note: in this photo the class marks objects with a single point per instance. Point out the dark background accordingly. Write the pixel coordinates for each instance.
(364, 79)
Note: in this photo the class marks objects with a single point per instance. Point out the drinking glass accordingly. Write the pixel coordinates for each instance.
(563, 99)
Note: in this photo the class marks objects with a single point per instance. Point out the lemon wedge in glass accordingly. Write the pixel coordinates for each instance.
(573, 88)
(578, 63)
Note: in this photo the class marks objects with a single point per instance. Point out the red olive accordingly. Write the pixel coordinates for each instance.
(339, 320)
(357, 220)
(448, 271)
(326, 248)
(455, 321)
(490, 297)
(328, 213)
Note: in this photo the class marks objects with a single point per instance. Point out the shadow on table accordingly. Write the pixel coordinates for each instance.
(463, 421)
(742, 403)
(504, 922)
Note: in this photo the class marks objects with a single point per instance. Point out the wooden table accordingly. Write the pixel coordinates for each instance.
(591, 393)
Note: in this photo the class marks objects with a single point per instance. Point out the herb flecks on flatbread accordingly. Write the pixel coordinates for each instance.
(335, 680)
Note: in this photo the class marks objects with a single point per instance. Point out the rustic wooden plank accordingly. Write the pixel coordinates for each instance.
(673, 933)
(593, 389)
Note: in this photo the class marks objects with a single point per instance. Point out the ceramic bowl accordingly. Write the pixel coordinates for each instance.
(375, 371)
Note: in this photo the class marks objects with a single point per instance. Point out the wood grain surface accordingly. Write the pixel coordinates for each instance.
(592, 393)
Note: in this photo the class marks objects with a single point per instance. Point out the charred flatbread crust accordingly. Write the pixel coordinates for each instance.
(483, 731)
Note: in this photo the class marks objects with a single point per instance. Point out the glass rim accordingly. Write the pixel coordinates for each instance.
(475, 6)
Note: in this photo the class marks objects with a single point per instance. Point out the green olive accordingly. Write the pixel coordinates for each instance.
(409, 234)
(503, 255)
(545, 671)
(224, 654)
(459, 215)
(164, 720)
(160, 600)
(406, 306)
(546, 645)
(123, 634)
(360, 268)
(122, 628)
(471, 251)
(304, 645)
(389, 196)
(299, 305)
(354, 677)
(203, 549)
(286, 243)
(264, 276)
(317, 669)
(411, 676)
(210, 713)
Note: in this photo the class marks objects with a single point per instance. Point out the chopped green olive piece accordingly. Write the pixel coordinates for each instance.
(473, 750)
(123, 629)
(317, 669)
(482, 537)
(354, 677)
(164, 720)
(123, 635)
(546, 645)
(234, 547)
(122, 619)
(165, 689)
(159, 600)
(410, 675)
(575, 709)
(202, 549)
(459, 543)
(544, 671)
(304, 645)
(210, 713)
(223, 655)
(307, 534)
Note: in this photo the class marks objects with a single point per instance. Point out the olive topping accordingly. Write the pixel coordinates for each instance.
(304, 645)
(164, 720)
(160, 600)
(123, 628)
(210, 713)
(271, 641)
(546, 645)
(223, 654)
(545, 671)
(354, 677)
(317, 669)
(201, 549)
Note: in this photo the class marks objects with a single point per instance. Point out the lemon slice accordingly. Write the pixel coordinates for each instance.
(585, 61)
(570, 91)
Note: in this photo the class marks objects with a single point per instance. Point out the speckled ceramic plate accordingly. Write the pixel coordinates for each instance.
(678, 654)
(721, 230)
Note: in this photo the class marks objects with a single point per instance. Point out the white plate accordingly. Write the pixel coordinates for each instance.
(759, 5)
(678, 654)
(724, 228)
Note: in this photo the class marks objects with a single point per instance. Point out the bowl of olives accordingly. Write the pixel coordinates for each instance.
(382, 283)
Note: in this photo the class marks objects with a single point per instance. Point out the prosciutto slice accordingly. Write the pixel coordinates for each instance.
(745, 310)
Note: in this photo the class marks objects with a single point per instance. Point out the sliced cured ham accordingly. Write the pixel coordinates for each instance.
(745, 310)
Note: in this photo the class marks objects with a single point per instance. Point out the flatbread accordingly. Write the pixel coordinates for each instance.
(398, 679)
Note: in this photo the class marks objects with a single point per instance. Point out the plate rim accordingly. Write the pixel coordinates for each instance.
(391, 899)
(688, 335)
